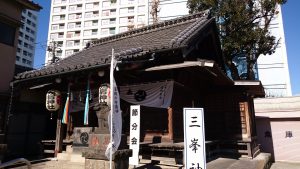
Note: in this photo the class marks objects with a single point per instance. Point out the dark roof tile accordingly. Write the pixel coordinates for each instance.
(135, 43)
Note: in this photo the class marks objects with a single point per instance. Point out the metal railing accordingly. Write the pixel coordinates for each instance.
(15, 162)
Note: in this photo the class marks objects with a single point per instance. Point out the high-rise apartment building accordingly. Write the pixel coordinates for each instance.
(73, 23)
(27, 38)
(273, 69)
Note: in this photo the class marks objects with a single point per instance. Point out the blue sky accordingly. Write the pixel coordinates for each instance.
(291, 21)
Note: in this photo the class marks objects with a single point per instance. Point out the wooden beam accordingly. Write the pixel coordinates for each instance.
(170, 123)
(59, 129)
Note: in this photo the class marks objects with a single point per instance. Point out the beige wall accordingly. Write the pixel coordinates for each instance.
(279, 115)
(281, 147)
(8, 53)
(286, 148)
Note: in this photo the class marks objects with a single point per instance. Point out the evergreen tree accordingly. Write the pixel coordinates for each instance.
(244, 29)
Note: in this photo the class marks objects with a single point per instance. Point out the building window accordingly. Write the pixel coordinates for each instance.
(123, 29)
(88, 23)
(58, 17)
(56, 1)
(131, 10)
(130, 1)
(104, 31)
(25, 53)
(88, 14)
(123, 20)
(141, 9)
(288, 134)
(19, 42)
(112, 31)
(104, 22)
(72, 16)
(69, 52)
(72, 7)
(95, 23)
(53, 35)
(8, 37)
(70, 43)
(34, 17)
(105, 13)
(20, 33)
(89, 6)
(123, 11)
(27, 30)
(113, 12)
(105, 4)
(112, 21)
(71, 25)
(26, 37)
(56, 9)
(18, 58)
(29, 14)
(87, 33)
(123, 2)
(130, 19)
(23, 60)
(141, 19)
(28, 22)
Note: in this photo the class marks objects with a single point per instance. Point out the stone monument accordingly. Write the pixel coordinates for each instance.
(99, 138)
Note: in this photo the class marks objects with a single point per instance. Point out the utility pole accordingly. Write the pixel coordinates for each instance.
(154, 10)
(53, 46)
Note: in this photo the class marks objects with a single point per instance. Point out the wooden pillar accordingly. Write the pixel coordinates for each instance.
(59, 129)
(170, 123)
(245, 120)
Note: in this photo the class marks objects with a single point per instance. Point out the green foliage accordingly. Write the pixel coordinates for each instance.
(244, 28)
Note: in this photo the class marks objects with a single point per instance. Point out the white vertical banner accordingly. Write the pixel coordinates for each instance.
(115, 117)
(194, 138)
(134, 134)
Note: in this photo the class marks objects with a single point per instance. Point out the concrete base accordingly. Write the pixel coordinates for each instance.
(70, 155)
(104, 164)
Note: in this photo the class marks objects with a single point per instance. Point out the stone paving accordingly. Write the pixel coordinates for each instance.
(220, 163)
(285, 165)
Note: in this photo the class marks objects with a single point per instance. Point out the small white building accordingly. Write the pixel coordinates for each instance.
(278, 127)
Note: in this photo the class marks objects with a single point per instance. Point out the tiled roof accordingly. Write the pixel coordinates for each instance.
(166, 35)
(29, 4)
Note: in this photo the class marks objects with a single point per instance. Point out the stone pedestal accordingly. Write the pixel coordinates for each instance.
(97, 159)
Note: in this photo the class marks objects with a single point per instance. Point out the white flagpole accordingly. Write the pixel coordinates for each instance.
(111, 104)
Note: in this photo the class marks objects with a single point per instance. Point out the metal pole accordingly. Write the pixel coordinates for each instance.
(111, 104)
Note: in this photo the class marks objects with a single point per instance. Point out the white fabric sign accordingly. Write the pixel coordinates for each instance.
(115, 122)
(194, 138)
(134, 134)
(156, 94)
